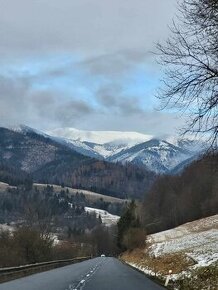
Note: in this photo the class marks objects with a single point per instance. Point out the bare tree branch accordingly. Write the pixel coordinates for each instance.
(190, 60)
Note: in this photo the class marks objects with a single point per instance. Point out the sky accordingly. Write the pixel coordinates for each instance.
(87, 64)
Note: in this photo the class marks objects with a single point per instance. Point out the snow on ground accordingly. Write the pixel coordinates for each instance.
(4, 186)
(143, 269)
(107, 218)
(109, 149)
(184, 250)
(198, 240)
(5, 227)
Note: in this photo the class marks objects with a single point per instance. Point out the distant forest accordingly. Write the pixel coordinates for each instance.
(45, 209)
(14, 176)
(102, 177)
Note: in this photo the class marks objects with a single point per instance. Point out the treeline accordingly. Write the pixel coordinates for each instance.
(26, 245)
(174, 200)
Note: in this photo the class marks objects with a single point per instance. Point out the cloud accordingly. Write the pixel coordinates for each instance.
(116, 64)
(21, 103)
(154, 123)
(73, 112)
(13, 99)
(85, 27)
(112, 98)
(86, 64)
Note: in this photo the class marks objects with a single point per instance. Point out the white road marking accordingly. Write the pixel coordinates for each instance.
(85, 279)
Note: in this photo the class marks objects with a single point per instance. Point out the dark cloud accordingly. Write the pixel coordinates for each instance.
(20, 103)
(73, 112)
(119, 64)
(112, 98)
(13, 94)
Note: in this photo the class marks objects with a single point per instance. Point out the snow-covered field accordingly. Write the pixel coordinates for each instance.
(183, 249)
(107, 218)
(198, 240)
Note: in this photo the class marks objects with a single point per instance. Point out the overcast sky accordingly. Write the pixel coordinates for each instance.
(86, 64)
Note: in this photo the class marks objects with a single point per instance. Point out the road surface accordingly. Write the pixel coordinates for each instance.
(95, 274)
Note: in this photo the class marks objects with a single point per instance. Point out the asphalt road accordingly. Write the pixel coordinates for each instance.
(95, 274)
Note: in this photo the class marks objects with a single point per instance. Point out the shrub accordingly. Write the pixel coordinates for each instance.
(134, 238)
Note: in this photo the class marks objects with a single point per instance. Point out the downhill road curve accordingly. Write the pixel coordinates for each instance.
(95, 274)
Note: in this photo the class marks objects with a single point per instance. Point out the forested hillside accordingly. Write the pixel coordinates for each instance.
(174, 200)
(102, 177)
(14, 176)
(47, 161)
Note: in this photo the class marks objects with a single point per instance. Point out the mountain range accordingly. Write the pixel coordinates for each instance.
(155, 154)
(54, 160)
(120, 164)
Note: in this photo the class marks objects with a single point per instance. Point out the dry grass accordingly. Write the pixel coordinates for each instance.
(190, 251)
(177, 262)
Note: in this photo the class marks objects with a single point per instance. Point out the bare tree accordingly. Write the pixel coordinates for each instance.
(190, 60)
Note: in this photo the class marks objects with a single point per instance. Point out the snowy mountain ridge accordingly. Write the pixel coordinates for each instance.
(143, 150)
(157, 155)
(101, 137)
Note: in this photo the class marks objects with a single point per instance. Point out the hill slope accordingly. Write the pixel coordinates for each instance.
(30, 151)
(184, 250)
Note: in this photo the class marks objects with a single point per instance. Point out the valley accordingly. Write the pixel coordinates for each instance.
(131, 196)
(109, 145)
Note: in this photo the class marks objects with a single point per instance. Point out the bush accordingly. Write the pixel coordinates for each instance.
(24, 246)
(32, 245)
(65, 250)
(134, 238)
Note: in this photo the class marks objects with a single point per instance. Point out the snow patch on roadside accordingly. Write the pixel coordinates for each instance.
(145, 270)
